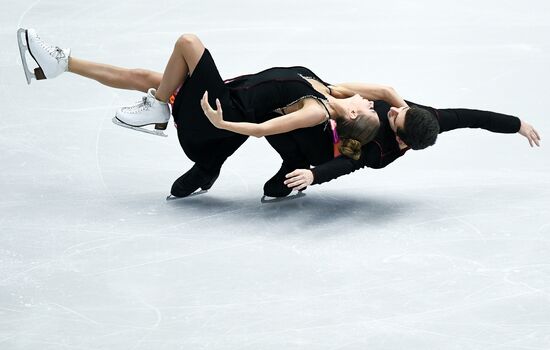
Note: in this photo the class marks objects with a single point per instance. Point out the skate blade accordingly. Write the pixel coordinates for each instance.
(23, 47)
(171, 198)
(139, 128)
(266, 199)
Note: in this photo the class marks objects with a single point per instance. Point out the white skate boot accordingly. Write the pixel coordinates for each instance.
(51, 60)
(146, 112)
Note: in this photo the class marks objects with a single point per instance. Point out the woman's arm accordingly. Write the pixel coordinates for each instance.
(310, 114)
(373, 92)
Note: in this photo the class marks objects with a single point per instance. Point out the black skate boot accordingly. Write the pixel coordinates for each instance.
(275, 187)
(192, 180)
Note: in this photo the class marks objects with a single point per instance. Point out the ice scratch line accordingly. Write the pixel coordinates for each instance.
(170, 259)
(25, 13)
(25, 271)
(157, 312)
(228, 211)
(154, 327)
(99, 171)
(11, 336)
(75, 313)
(74, 246)
(70, 110)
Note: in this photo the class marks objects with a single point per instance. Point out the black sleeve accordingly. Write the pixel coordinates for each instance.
(342, 165)
(456, 118)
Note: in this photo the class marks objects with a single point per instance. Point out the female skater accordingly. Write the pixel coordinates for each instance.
(273, 101)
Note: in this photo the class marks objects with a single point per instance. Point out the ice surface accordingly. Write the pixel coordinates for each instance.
(447, 248)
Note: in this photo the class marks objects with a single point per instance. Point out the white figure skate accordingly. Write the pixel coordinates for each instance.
(148, 111)
(51, 60)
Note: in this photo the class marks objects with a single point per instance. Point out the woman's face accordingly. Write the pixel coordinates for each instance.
(357, 105)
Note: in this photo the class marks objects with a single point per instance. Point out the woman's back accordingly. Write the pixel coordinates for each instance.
(257, 95)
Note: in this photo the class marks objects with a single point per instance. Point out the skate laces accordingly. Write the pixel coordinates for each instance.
(140, 106)
(54, 51)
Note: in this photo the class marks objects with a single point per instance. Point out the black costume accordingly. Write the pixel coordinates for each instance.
(249, 98)
(255, 98)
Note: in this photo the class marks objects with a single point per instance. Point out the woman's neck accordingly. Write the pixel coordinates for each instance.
(332, 113)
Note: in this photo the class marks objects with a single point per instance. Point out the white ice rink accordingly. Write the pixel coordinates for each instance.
(447, 248)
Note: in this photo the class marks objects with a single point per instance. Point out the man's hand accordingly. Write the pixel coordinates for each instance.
(530, 133)
(215, 116)
(299, 179)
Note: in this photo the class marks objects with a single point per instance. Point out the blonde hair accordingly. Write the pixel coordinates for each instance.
(355, 133)
(351, 148)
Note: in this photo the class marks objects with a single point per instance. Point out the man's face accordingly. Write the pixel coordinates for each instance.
(396, 117)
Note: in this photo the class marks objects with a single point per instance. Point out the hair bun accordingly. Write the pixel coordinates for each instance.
(351, 148)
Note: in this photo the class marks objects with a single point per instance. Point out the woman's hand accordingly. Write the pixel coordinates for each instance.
(529, 133)
(299, 179)
(215, 116)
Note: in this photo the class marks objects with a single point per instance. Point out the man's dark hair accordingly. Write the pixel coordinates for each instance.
(421, 128)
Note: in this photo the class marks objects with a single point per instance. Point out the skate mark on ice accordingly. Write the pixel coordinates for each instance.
(459, 218)
(481, 290)
(228, 211)
(296, 299)
(62, 256)
(157, 311)
(208, 251)
(110, 242)
(98, 166)
(449, 258)
(74, 312)
(11, 336)
(382, 321)
(24, 272)
(466, 305)
(153, 327)
(25, 12)
(71, 110)
(523, 284)
(543, 227)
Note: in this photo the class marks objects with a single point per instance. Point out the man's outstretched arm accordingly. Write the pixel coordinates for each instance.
(449, 119)
(456, 118)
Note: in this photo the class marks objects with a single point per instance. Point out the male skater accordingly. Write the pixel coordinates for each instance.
(395, 138)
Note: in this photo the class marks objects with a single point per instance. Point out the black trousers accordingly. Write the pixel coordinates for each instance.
(202, 142)
(304, 147)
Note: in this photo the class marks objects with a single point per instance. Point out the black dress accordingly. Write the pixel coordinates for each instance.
(249, 98)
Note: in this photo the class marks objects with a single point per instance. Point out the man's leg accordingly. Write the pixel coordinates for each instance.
(292, 158)
(299, 149)
(209, 157)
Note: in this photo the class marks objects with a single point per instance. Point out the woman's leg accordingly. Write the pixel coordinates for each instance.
(185, 57)
(154, 109)
(116, 77)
